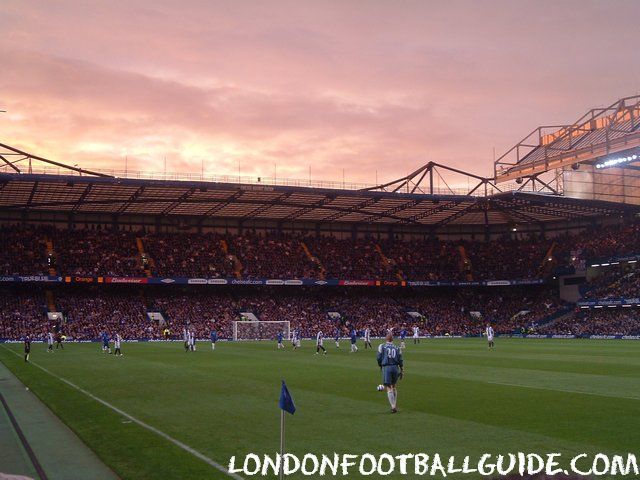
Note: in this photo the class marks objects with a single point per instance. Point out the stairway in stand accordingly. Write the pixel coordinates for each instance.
(146, 262)
(322, 272)
(237, 264)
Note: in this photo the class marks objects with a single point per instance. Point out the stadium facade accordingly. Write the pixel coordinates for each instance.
(525, 201)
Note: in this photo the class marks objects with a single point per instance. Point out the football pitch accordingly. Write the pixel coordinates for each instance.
(457, 398)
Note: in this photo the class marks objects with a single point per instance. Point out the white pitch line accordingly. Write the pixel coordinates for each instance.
(160, 433)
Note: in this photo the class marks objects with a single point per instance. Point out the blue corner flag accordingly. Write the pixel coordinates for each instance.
(286, 402)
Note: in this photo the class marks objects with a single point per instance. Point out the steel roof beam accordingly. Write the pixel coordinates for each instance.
(179, 200)
(433, 211)
(34, 189)
(456, 215)
(82, 197)
(52, 162)
(353, 209)
(552, 212)
(390, 211)
(131, 199)
(510, 210)
(233, 199)
(235, 196)
(11, 165)
(268, 205)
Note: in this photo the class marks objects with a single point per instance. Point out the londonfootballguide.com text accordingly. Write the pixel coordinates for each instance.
(436, 465)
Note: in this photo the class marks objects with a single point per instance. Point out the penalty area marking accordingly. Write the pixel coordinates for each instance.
(133, 419)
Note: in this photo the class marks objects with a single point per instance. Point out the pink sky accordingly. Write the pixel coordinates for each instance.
(359, 85)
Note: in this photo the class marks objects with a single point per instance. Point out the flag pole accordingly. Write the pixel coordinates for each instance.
(286, 405)
(281, 444)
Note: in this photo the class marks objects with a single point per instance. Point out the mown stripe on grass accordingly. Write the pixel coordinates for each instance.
(567, 382)
(158, 432)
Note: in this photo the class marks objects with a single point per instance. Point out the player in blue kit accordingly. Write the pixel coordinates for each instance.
(280, 336)
(105, 343)
(390, 362)
(403, 336)
(214, 339)
(354, 339)
(337, 338)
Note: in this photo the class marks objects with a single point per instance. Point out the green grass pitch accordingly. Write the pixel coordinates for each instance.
(457, 398)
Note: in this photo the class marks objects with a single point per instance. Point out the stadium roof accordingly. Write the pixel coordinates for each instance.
(413, 200)
(599, 132)
(114, 196)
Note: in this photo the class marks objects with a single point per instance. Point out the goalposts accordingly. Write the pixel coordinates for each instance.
(259, 330)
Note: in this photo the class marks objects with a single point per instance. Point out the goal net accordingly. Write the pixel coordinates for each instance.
(259, 330)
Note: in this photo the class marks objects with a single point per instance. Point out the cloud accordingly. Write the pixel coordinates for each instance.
(364, 86)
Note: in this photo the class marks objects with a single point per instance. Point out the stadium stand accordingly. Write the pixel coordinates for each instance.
(23, 250)
(200, 251)
(607, 322)
(443, 311)
(187, 255)
(95, 253)
(115, 253)
(88, 311)
(616, 283)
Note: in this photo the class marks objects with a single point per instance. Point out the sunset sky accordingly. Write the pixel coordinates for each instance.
(359, 85)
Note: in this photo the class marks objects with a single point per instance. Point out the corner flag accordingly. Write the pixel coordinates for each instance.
(286, 402)
(286, 405)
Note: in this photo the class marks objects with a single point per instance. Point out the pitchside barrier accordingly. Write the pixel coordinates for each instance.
(331, 282)
(426, 337)
(609, 302)
(585, 337)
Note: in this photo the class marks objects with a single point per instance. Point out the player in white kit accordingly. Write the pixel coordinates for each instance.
(367, 338)
(416, 334)
(185, 338)
(320, 343)
(116, 344)
(490, 334)
(50, 342)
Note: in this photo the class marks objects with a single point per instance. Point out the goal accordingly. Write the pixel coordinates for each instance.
(259, 330)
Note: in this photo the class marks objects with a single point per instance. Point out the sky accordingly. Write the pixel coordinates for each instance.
(304, 88)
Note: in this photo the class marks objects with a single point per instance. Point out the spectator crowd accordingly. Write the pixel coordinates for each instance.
(40, 250)
(603, 321)
(619, 281)
(254, 255)
(88, 311)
